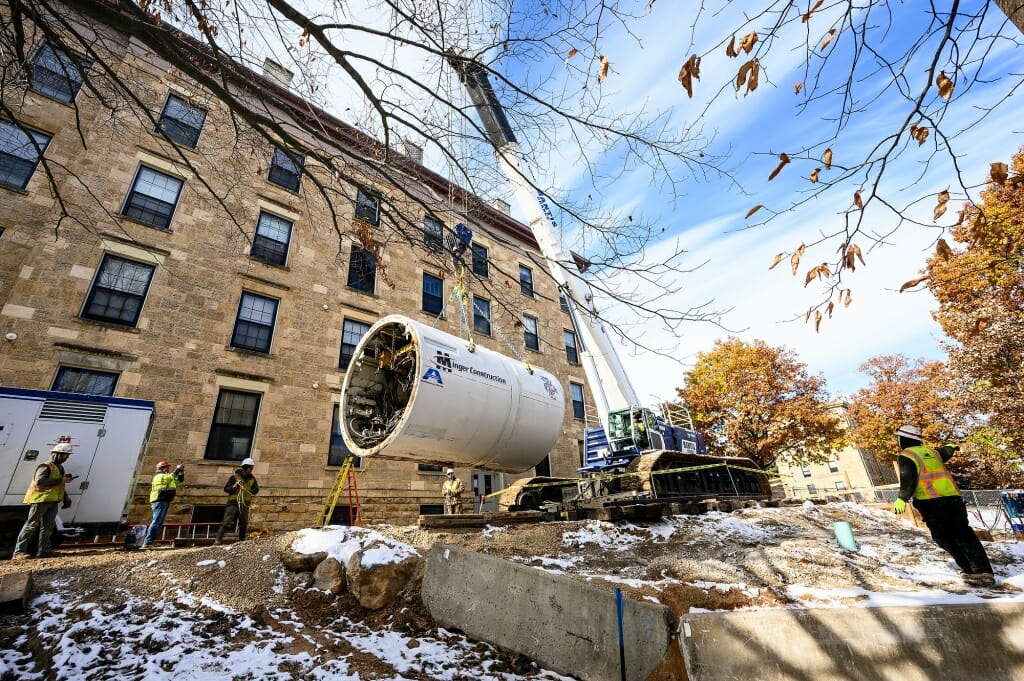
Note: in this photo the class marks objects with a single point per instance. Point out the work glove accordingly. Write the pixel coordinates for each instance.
(899, 506)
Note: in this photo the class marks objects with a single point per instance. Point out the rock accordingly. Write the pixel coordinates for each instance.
(329, 576)
(302, 562)
(375, 586)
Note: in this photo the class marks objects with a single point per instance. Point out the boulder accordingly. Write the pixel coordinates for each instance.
(375, 586)
(302, 562)
(329, 576)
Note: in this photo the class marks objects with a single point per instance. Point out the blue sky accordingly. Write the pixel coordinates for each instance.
(707, 218)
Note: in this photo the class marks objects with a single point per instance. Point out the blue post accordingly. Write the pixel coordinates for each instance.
(844, 535)
(619, 607)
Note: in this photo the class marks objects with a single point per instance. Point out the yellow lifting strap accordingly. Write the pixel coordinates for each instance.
(345, 479)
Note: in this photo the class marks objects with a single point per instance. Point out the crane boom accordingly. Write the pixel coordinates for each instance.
(609, 383)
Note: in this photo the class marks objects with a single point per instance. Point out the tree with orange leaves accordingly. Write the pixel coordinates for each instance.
(759, 402)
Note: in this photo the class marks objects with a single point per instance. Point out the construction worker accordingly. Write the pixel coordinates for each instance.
(43, 496)
(452, 491)
(924, 477)
(640, 431)
(161, 492)
(241, 488)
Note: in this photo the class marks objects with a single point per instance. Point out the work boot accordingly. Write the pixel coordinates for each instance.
(20, 556)
(980, 579)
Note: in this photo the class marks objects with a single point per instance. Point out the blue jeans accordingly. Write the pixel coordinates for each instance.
(159, 514)
(42, 518)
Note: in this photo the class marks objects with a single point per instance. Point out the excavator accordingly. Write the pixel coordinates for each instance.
(416, 393)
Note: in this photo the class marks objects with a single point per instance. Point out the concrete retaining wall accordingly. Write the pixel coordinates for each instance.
(564, 625)
(949, 642)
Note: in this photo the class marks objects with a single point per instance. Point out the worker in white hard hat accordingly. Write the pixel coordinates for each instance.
(452, 491)
(925, 479)
(44, 495)
(241, 488)
(162, 491)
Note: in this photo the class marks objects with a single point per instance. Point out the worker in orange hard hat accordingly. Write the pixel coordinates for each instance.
(161, 493)
(924, 477)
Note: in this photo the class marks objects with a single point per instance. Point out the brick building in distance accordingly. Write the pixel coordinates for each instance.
(166, 253)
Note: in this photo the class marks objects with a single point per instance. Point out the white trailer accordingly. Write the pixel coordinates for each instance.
(109, 435)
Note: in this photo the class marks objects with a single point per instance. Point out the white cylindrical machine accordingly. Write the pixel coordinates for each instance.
(415, 393)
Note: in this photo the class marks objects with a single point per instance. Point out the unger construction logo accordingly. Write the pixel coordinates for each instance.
(443, 363)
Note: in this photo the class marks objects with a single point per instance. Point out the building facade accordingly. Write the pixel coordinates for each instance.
(163, 252)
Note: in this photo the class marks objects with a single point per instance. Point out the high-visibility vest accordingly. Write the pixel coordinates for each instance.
(42, 495)
(933, 480)
(161, 481)
(244, 488)
(452, 488)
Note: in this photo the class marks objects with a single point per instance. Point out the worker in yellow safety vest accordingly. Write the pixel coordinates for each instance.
(162, 491)
(452, 492)
(925, 479)
(241, 488)
(43, 496)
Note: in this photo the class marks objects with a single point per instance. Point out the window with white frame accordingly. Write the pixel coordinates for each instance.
(480, 265)
(433, 294)
(526, 280)
(234, 425)
(352, 331)
(576, 393)
(153, 197)
(840, 486)
(833, 466)
(482, 316)
(181, 122)
(84, 381)
(19, 154)
(53, 73)
(254, 324)
(530, 337)
(572, 355)
(286, 169)
(118, 291)
(806, 470)
(273, 235)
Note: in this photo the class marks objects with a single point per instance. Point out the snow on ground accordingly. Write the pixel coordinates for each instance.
(233, 612)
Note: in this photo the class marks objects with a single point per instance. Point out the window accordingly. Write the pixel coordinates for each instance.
(234, 425)
(806, 470)
(482, 316)
(351, 333)
(152, 198)
(54, 74)
(433, 233)
(271, 241)
(286, 169)
(181, 122)
(431, 509)
(118, 291)
(18, 155)
(526, 280)
(840, 486)
(254, 325)
(479, 260)
(362, 269)
(337, 450)
(812, 490)
(368, 206)
(530, 333)
(833, 466)
(571, 354)
(576, 392)
(563, 302)
(86, 381)
(429, 468)
(433, 294)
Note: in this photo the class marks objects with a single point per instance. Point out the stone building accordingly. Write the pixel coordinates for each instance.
(165, 253)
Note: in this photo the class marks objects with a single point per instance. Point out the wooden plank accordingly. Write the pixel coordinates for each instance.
(440, 522)
(15, 590)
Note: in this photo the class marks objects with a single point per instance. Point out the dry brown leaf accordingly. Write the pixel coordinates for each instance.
(730, 49)
(828, 38)
(827, 158)
(855, 250)
(847, 299)
(778, 258)
(824, 270)
(572, 53)
(831, 306)
(603, 73)
(912, 283)
(940, 207)
(794, 260)
(747, 44)
(749, 68)
(690, 71)
(817, 321)
(751, 212)
(783, 160)
(944, 84)
(943, 250)
(805, 18)
(814, 175)
(857, 201)
(752, 81)
(998, 172)
(808, 315)
(811, 274)
(920, 133)
(798, 87)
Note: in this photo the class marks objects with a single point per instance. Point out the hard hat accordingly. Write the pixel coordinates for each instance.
(163, 464)
(450, 471)
(248, 462)
(952, 445)
(908, 431)
(62, 448)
